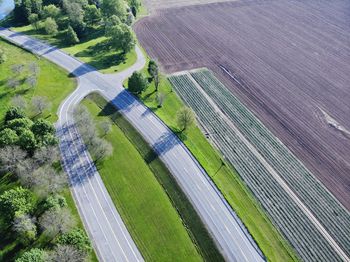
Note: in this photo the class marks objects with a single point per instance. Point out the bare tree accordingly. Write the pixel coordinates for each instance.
(67, 253)
(10, 156)
(13, 82)
(160, 99)
(57, 221)
(25, 227)
(185, 117)
(24, 172)
(31, 81)
(19, 101)
(47, 180)
(100, 149)
(40, 104)
(82, 117)
(17, 69)
(34, 68)
(105, 126)
(46, 155)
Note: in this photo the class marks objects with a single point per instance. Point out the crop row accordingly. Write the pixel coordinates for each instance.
(333, 216)
(284, 213)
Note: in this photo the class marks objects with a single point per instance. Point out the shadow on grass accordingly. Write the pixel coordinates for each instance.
(103, 56)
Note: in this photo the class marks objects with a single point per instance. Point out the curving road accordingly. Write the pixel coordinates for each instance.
(106, 229)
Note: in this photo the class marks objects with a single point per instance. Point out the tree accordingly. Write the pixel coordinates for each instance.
(17, 69)
(27, 141)
(24, 170)
(50, 26)
(71, 36)
(82, 117)
(66, 253)
(42, 127)
(34, 21)
(100, 149)
(14, 113)
(137, 83)
(51, 11)
(160, 99)
(135, 5)
(8, 137)
(106, 127)
(55, 202)
(121, 38)
(92, 15)
(113, 7)
(13, 82)
(31, 81)
(33, 255)
(46, 155)
(25, 228)
(40, 104)
(34, 68)
(19, 102)
(57, 221)
(15, 202)
(76, 238)
(3, 56)
(75, 14)
(153, 70)
(46, 181)
(19, 125)
(10, 156)
(185, 118)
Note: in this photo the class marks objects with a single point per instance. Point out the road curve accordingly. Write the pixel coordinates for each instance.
(232, 238)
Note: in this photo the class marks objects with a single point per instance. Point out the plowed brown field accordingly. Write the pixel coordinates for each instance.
(288, 61)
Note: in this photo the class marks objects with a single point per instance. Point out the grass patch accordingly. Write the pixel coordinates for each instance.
(55, 84)
(226, 178)
(130, 176)
(93, 49)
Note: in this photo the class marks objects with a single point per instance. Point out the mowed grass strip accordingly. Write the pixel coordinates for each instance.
(146, 209)
(270, 241)
(53, 83)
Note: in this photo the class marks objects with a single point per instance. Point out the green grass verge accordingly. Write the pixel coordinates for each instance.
(92, 49)
(190, 218)
(226, 178)
(55, 84)
(144, 206)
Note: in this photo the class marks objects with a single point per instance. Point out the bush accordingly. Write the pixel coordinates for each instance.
(15, 202)
(50, 26)
(76, 238)
(8, 137)
(33, 255)
(14, 113)
(27, 141)
(55, 202)
(19, 124)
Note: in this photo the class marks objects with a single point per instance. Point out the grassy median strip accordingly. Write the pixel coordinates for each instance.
(52, 83)
(270, 241)
(148, 197)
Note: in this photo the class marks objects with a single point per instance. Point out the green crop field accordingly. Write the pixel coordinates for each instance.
(145, 207)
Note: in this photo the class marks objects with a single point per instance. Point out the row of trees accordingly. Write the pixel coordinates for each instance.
(74, 17)
(138, 83)
(98, 147)
(36, 207)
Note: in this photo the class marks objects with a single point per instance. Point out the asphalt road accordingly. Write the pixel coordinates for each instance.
(94, 204)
